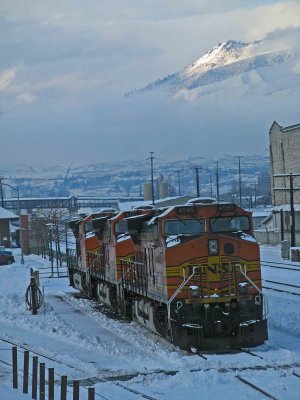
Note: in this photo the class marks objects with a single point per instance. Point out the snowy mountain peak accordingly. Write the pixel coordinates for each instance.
(222, 54)
(231, 45)
(256, 67)
(228, 47)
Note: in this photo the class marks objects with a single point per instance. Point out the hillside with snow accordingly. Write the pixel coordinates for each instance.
(236, 68)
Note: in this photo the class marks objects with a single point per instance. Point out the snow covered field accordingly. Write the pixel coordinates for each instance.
(123, 361)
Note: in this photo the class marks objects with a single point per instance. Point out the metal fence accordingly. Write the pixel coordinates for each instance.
(39, 380)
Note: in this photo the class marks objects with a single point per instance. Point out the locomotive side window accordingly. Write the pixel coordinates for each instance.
(230, 224)
(150, 232)
(184, 226)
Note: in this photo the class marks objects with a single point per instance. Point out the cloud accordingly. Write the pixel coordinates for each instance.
(6, 78)
(284, 38)
(78, 58)
(26, 98)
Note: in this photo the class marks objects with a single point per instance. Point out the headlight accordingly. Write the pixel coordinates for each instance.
(243, 289)
(213, 247)
(194, 291)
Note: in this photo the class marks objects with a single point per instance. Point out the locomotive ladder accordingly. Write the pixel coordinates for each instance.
(228, 281)
(264, 297)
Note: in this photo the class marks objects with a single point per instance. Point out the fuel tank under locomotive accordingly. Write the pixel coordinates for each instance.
(151, 315)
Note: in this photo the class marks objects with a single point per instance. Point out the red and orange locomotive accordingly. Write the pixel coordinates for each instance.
(190, 273)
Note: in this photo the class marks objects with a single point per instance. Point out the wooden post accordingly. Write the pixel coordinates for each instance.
(33, 295)
(26, 371)
(34, 377)
(15, 366)
(51, 384)
(75, 390)
(91, 394)
(42, 381)
(63, 387)
(36, 276)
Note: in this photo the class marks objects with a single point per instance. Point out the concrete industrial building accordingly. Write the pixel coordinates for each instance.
(285, 181)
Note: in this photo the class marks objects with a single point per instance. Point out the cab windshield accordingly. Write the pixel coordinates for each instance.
(182, 226)
(230, 224)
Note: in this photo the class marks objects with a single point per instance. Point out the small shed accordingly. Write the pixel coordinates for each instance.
(6, 217)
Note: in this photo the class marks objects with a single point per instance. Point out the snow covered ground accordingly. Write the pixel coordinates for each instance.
(123, 361)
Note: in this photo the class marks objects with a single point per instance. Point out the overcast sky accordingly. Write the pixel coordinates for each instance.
(65, 66)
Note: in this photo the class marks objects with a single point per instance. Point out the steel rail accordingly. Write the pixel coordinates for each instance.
(6, 363)
(247, 351)
(275, 266)
(296, 374)
(257, 388)
(280, 263)
(281, 291)
(39, 353)
(167, 372)
(282, 283)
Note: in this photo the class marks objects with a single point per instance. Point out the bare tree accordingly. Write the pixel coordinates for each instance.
(38, 235)
(48, 225)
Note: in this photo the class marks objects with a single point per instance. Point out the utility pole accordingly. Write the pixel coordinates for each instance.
(281, 225)
(170, 185)
(197, 181)
(178, 180)
(292, 211)
(217, 181)
(211, 188)
(152, 179)
(1, 191)
(240, 182)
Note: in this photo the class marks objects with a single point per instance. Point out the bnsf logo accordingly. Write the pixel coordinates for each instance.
(214, 268)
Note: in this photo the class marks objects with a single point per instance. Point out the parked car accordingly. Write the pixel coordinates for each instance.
(6, 258)
(6, 251)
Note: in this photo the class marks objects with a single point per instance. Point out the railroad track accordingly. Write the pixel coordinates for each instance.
(116, 380)
(283, 285)
(257, 388)
(278, 265)
(127, 377)
(5, 363)
(85, 382)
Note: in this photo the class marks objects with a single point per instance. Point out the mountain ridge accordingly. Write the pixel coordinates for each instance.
(226, 60)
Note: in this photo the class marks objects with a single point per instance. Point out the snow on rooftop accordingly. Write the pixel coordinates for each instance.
(6, 214)
(261, 213)
(286, 207)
